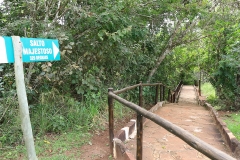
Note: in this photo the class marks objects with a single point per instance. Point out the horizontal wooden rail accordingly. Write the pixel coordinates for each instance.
(190, 139)
(137, 85)
(148, 84)
(159, 88)
(126, 89)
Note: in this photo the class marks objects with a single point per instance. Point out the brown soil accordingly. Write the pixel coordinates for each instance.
(99, 147)
(167, 144)
(223, 114)
(159, 143)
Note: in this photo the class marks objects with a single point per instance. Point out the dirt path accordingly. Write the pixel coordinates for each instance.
(187, 95)
(99, 149)
(158, 143)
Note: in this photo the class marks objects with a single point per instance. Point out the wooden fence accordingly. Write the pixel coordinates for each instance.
(193, 141)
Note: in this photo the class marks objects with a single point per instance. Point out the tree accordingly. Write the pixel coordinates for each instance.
(118, 43)
(220, 49)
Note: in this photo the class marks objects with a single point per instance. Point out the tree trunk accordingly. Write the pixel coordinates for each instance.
(159, 61)
(168, 48)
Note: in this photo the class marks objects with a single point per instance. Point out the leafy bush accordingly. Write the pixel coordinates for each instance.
(58, 113)
(10, 132)
(224, 80)
(232, 122)
(55, 113)
(208, 90)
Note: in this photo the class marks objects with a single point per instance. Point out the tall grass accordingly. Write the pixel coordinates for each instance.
(209, 91)
(54, 113)
(57, 115)
(233, 122)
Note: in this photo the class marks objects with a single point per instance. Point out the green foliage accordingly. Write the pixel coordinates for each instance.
(1, 86)
(148, 95)
(11, 133)
(53, 146)
(208, 90)
(179, 65)
(57, 113)
(225, 73)
(102, 43)
(233, 124)
(219, 54)
(224, 79)
(113, 44)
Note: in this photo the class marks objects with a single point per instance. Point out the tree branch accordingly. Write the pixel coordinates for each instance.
(166, 51)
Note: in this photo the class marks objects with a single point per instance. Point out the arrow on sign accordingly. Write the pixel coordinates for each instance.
(55, 50)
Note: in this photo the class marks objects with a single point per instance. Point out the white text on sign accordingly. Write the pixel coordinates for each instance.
(39, 53)
(37, 43)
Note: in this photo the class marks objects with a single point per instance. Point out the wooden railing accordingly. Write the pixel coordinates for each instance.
(198, 84)
(176, 92)
(159, 88)
(193, 141)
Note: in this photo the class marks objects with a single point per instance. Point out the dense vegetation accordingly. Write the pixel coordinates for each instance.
(107, 43)
(232, 120)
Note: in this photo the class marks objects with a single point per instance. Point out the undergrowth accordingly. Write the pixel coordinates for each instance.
(209, 91)
(233, 122)
(59, 123)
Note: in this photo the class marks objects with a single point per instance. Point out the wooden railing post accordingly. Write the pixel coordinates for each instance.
(157, 93)
(111, 120)
(199, 87)
(163, 97)
(169, 96)
(189, 138)
(161, 92)
(140, 126)
(140, 95)
(174, 97)
(195, 82)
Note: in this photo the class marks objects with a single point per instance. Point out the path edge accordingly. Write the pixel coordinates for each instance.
(120, 151)
(228, 136)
